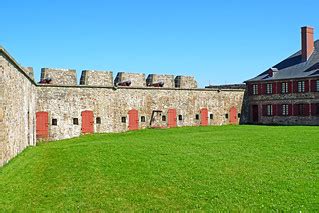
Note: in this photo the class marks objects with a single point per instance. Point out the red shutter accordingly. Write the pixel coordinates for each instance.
(274, 109)
(250, 88)
(306, 109)
(279, 87)
(274, 88)
(264, 108)
(279, 109)
(313, 86)
(306, 85)
(259, 89)
(295, 86)
(289, 109)
(296, 109)
(313, 109)
(289, 87)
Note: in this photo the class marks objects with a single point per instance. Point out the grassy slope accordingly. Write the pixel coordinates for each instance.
(209, 168)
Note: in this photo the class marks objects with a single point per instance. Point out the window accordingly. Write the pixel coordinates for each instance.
(226, 115)
(54, 122)
(211, 116)
(269, 88)
(301, 109)
(255, 89)
(238, 115)
(163, 118)
(75, 121)
(98, 120)
(285, 109)
(123, 119)
(142, 118)
(284, 87)
(269, 110)
(301, 86)
(317, 109)
(197, 116)
(180, 117)
(317, 85)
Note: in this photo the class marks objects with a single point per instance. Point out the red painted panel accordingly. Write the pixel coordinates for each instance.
(204, 117)
(172, 121)
(233, 115)
(289, 87)
(274, 109)
(307, 109)
(306, 85)
(313, 86)
(42, 125)
(87, 122)
(133, 119)
(255, 113)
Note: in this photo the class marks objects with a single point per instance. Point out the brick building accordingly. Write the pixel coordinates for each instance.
(288, 93)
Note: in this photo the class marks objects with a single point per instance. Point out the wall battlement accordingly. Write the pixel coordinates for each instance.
(59, 76)
(97, 78)
(67, 77)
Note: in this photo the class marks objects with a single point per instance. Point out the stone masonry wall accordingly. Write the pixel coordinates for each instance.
(167, 79)
(66, 103)
(186, 82)
(59, 76)
(137, 79)
(97, 78)
(17, 109)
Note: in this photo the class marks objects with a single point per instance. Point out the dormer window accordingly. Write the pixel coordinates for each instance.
(272, 72)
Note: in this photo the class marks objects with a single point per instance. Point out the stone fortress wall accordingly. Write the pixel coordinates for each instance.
(114, 108)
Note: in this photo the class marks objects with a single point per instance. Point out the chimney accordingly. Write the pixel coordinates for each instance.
(307, 42)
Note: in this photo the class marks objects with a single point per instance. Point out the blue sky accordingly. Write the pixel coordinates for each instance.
(216, 41)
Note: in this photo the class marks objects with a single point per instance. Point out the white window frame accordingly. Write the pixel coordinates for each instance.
(269, 110)
(269, 88)
(284, 87)
(285, 109)
(317, 85)
(255, 89)
(301, 86)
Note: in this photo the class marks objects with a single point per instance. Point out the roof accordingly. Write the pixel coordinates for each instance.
(292, 67)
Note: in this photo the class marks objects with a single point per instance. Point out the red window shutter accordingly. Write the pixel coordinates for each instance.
(279, 87)
(307, 109)
(264, 108)
(274, 109)
(313, 109)
(289, 87)
(289, 109)
(295, 86)
(306, 85)
(296, 109)
(313, 86)
(249, 89)
(274, 88)
(279, 109)
(259, 88)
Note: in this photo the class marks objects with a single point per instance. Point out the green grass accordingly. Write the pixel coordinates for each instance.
(236, 168)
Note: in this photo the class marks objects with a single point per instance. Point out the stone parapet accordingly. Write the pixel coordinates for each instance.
(58, 76)
(96, 78)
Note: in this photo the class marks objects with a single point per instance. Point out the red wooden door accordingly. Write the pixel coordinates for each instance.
(233, 115)
(255, 113)
(204, 117)
(172, 121)
(87, 122)
(42, 125)
(133, 119)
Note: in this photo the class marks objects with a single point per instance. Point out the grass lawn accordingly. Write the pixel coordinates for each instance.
(222, 168)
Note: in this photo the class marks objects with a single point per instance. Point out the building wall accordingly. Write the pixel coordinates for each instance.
(17, 109)
(66, 103)
(292, 98)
